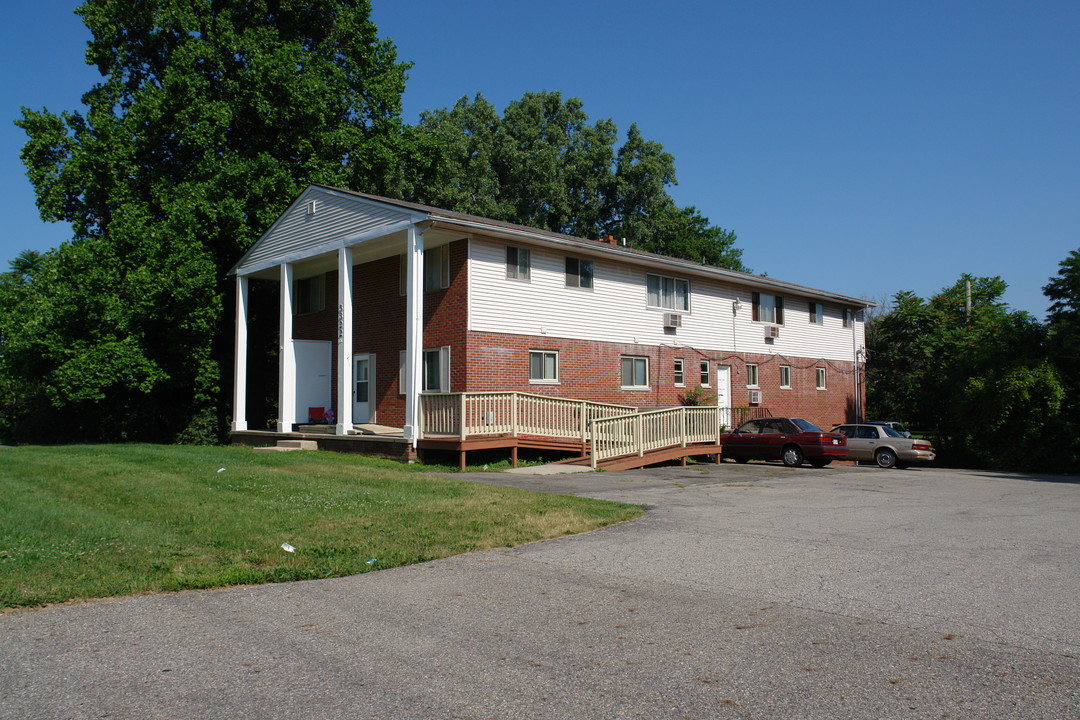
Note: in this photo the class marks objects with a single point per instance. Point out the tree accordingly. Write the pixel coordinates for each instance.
(209, 119)
(978, 379)
(1063, 315)
(1063, 324)
(543, 164)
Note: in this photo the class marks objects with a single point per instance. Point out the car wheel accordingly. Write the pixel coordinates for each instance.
(820, 462)
(885, 458)
(792, 456)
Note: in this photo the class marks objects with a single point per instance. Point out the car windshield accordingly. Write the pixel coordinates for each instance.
(890, 432)
(805, 425)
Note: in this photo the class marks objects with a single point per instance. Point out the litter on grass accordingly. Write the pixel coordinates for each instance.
(221, 469)
(369, 562)
(287, 547)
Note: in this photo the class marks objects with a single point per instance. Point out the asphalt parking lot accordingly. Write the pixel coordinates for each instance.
(746, 591)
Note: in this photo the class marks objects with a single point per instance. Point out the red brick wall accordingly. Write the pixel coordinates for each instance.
(379, 325)
(590, 370)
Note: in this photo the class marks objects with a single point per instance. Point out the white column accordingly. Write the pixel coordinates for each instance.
(345, 343)
(239, 421)
(414, 331)
(286, 354)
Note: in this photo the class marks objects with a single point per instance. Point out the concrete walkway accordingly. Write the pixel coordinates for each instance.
(745, 592)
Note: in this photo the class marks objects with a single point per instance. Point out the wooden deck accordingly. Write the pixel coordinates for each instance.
(603, 436)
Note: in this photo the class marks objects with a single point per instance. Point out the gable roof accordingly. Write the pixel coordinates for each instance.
(297, 235)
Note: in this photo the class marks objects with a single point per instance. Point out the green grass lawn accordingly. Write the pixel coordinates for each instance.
(91, 521)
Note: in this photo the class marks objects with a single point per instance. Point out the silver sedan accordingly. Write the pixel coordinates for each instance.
(883, 445)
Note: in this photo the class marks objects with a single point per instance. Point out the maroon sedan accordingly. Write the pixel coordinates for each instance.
(788, 439)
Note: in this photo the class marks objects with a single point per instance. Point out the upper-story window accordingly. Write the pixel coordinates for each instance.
(768, 308)
(310, 295)
(817, 313)
(579, 273)
(518, 261)
(436, 269)
(849, 317)
(668, 293)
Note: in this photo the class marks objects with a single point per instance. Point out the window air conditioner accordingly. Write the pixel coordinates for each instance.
(771, 332)
(672, 320)
(755, 397)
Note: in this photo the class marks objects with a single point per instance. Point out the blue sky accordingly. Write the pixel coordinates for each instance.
(857, 147)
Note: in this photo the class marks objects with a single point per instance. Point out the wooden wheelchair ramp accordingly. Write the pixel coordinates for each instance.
(612, 437)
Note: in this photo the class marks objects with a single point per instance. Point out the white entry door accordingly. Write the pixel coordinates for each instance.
(723, 394)
(363, 389)
(313, 386)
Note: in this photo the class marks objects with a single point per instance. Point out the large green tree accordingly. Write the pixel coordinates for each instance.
(977, 377)
(210, 117)
(543, 163)
(1063, 323)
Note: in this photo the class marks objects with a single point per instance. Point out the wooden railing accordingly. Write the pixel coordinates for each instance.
(464, 415)
(608, 430)
(641, 432)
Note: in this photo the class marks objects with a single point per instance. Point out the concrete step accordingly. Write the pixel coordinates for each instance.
(298, 444)
(287, 445)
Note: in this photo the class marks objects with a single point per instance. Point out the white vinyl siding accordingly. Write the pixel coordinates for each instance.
(613, 311)
(338, 219)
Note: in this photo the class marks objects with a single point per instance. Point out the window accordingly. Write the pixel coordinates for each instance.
(768, 308)
(849, 317)
(634, 372)
(543, 366)
(680, 379)
(309, 295)
(436, 269)
(821, 378)
(435, 377)
(518, 262)
(785, 376)
(751, 375)
(704, 369)
(817, 313)
(668, 293)
(579, 273)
